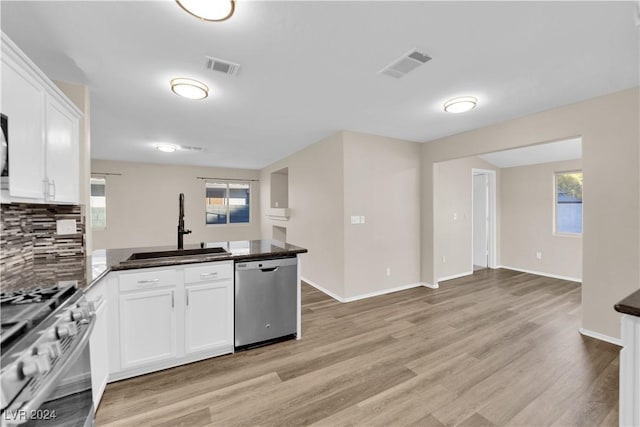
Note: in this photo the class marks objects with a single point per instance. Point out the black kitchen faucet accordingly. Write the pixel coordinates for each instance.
(181, 230)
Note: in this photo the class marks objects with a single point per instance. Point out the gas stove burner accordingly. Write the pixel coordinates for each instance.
(27, 307)
(28, 296)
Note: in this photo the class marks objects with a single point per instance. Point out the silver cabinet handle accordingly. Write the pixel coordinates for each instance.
(186, 296)
(172, 300)
(148, 282)
(215, 273)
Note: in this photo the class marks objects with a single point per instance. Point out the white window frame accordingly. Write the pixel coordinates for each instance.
(554, 230)
(228, 223)
(93, 227)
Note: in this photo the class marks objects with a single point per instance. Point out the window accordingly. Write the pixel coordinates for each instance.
(227, 203)
(98, 203)
(568, 202)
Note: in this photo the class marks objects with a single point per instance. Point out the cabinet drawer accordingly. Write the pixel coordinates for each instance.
(209, 272)
(148, 279)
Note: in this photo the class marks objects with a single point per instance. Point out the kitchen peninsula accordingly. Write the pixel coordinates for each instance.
(630, 359)
(165, 308)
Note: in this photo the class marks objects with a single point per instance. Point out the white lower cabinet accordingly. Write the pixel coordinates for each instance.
(208, 317)
(98, 342)
(630, 371)
(166, 317)
(147, 327)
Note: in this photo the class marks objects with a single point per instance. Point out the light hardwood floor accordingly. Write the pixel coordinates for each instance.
(496, 348)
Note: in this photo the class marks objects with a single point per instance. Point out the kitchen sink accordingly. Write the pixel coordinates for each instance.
(177, 253)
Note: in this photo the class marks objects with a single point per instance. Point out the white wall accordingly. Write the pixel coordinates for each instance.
(452, 195)
(527, 194)
(142, 205)
(609, 128)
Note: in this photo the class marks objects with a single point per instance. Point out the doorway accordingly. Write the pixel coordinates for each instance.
(483, 212)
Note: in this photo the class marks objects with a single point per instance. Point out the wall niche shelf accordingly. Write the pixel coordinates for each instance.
(279, 207)
(280, 214)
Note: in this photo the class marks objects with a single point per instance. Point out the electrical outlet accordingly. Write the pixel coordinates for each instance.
(444, 259)
(455, 216)
(66, 226)
(277, 204)
(538, 255)
(355, 219)
(388, 272)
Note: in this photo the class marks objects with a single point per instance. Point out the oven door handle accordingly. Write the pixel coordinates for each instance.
(27, 402)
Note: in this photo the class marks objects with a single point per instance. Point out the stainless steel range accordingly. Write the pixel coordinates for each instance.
(45, 374)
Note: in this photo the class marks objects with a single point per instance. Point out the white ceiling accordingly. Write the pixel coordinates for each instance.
(569, 149)
(309, 69)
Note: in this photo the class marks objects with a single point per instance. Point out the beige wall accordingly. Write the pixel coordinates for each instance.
(361, 175)
(452, 194)
(316, 203)
(80, 96)
(142, 205)
(609, 127)
(527, 194)
(381, 183)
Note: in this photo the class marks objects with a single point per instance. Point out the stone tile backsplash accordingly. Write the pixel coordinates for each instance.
(32, 253)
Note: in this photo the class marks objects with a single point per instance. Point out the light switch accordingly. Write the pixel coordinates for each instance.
(455, 216)
(66, 226)
(355, 219)
(362, 219)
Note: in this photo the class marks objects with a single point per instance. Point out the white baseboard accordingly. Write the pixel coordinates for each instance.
(455, 276)
(601, 337)
(540, 273)
(384, 291)
(367, 295)
(323, 290)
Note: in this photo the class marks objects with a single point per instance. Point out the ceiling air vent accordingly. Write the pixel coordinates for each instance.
(405, 64)
(190, 148)
(221, 66)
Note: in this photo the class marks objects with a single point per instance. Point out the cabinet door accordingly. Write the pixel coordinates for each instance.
(61, 153)
(99, 353)
(147, 327)
(23, 104)
(209, 317)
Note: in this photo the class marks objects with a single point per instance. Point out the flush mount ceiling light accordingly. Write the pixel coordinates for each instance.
(189, 88)
(167, 148)
(460, 104)
(209, 10)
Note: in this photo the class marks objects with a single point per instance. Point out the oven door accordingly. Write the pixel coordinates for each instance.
(62, 398)
(71, 402)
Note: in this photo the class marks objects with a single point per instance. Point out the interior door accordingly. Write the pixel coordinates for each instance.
(480, 220)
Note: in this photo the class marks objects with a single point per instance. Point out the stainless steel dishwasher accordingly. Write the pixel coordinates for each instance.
(266, 301)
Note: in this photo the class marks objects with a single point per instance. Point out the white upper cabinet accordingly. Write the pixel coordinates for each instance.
(61, 153)
(22, 102)
(43, 131)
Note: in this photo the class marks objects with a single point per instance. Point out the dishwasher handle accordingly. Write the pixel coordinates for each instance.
(266, 265)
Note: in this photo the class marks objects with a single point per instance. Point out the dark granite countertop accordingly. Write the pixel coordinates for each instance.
(630, 305)
(104, 260)
(86, 271)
